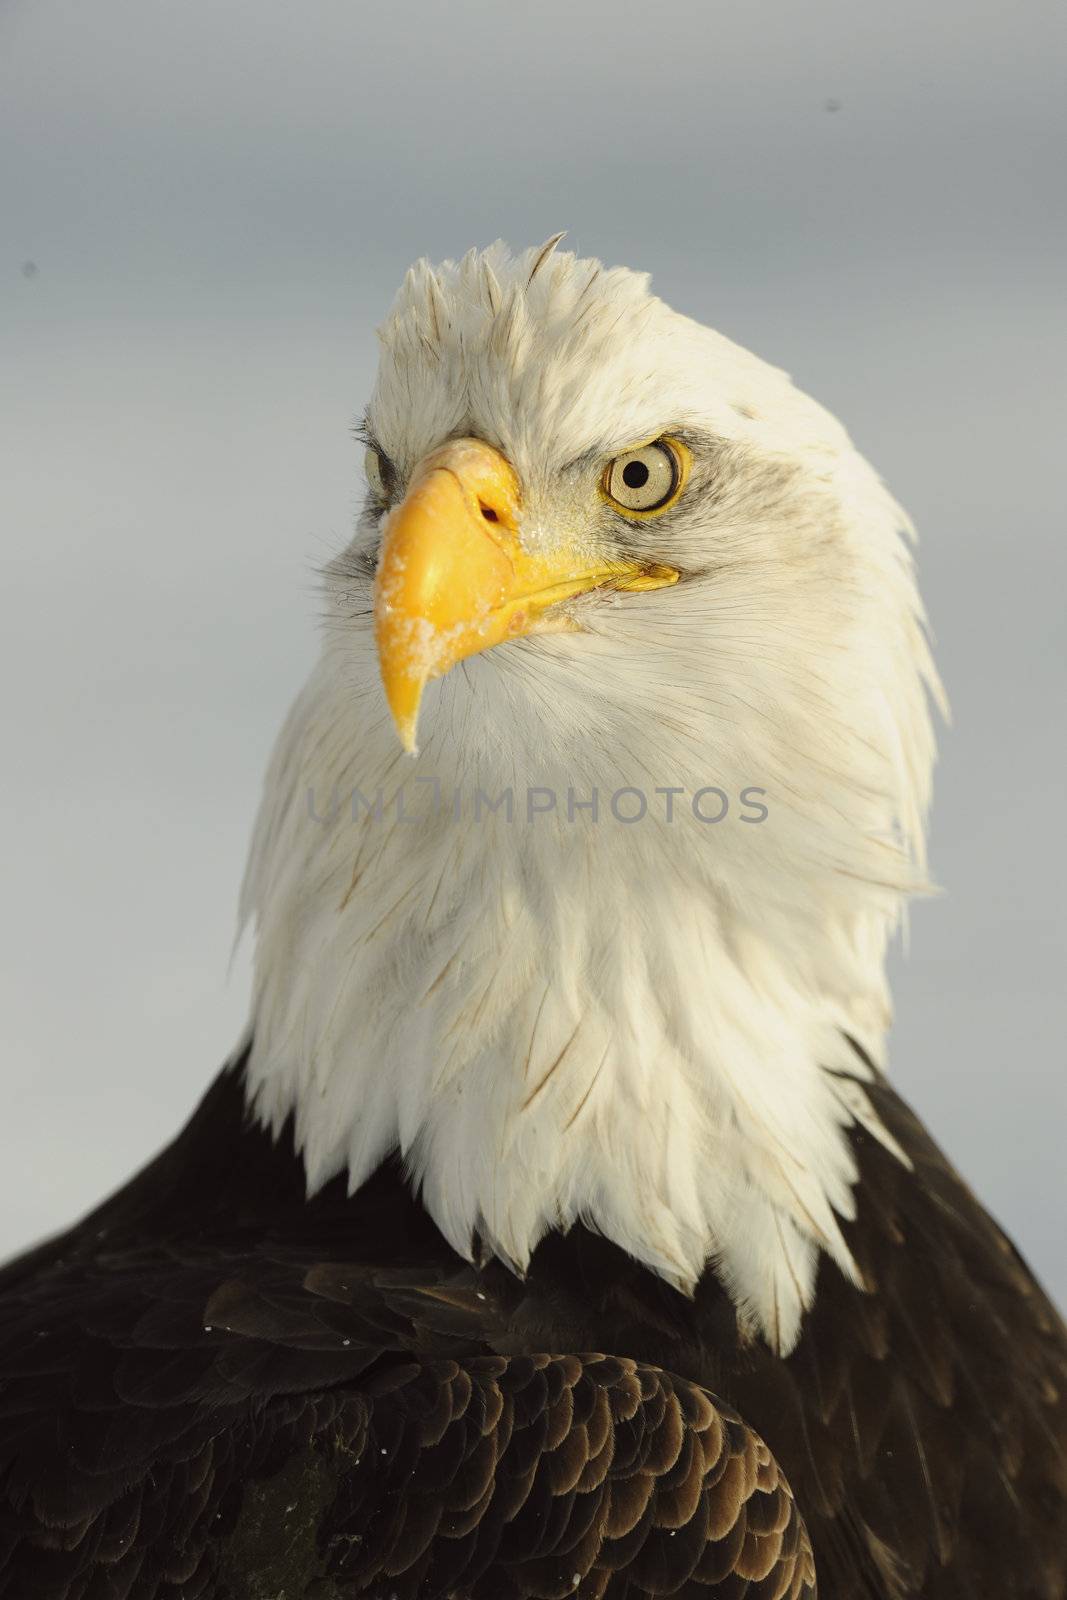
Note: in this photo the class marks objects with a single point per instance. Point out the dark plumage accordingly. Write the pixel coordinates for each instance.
(214, 1388)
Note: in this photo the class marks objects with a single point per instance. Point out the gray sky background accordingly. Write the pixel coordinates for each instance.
(205, 207)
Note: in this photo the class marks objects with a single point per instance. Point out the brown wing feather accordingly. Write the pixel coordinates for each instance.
(173, 1434)
(531, 1476)
(209, 1339)
(285, 1429)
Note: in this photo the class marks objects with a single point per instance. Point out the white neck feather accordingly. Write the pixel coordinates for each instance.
(556, 1021)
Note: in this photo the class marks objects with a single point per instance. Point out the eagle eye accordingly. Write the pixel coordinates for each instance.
(374, 471)
(643, 482)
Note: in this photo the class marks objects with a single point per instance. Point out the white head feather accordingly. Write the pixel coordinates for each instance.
(637, 1025)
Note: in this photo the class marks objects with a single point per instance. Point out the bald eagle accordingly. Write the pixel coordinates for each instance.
(555, 1230)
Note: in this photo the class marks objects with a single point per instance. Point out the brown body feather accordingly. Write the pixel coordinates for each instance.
(214, 1388)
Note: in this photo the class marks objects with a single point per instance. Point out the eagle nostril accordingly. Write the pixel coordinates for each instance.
(489, 514)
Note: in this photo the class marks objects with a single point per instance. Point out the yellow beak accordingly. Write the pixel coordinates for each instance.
(454, 577)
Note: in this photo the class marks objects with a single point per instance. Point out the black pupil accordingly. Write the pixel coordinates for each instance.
(635, 474)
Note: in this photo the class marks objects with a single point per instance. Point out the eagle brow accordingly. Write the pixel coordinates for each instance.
(608, 452)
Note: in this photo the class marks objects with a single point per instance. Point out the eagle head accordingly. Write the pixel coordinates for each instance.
(619, 571)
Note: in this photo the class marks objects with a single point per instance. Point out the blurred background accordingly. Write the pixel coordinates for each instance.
(205, 207)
